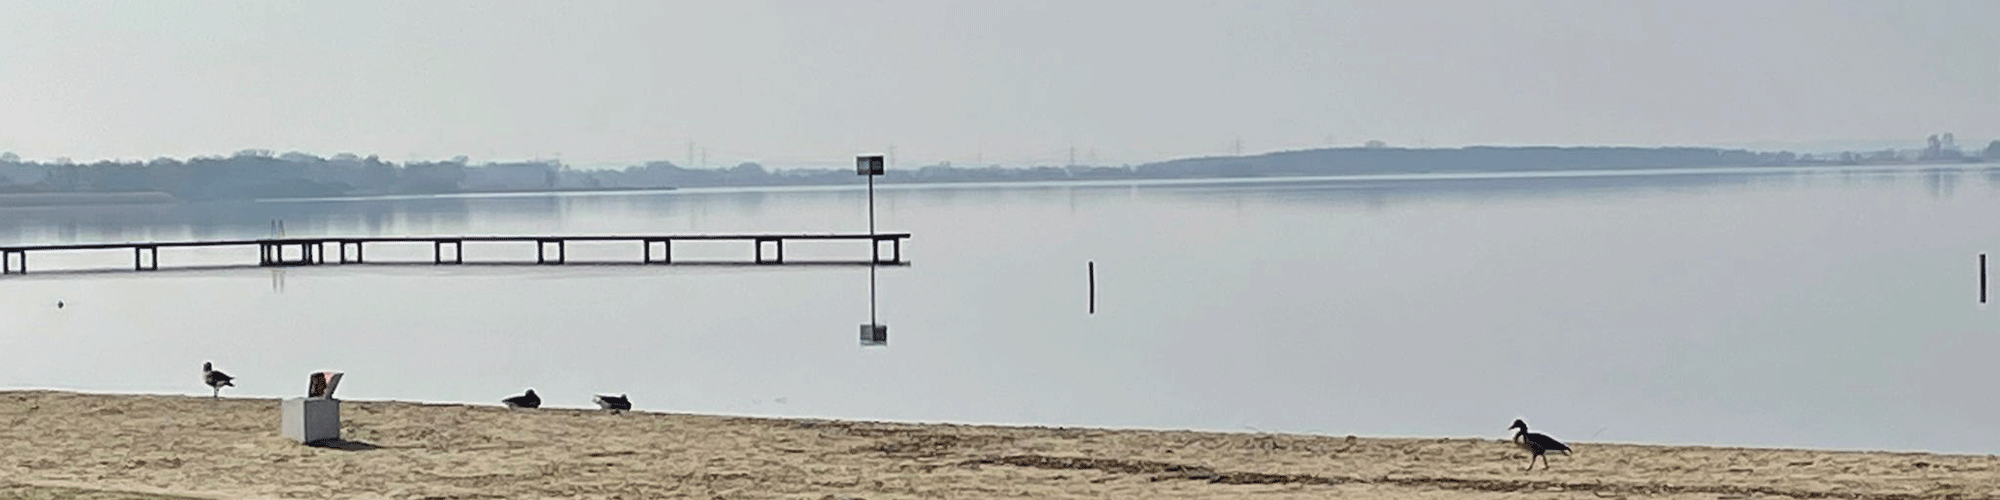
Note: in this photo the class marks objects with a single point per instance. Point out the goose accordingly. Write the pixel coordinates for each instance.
(215, 379)
(1536, 443)
(529, 400)
(613, 403)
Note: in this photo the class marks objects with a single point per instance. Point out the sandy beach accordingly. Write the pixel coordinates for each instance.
(127, 447)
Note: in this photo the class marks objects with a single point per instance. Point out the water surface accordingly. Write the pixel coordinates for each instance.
(1833, 309)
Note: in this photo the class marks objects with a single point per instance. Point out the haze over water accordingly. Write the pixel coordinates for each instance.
(1831, 310)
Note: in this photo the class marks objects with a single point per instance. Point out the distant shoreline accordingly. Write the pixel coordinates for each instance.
(40, 200)
(134, 198)
(392, 196)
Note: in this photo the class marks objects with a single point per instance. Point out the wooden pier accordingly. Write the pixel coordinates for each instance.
(549, 250)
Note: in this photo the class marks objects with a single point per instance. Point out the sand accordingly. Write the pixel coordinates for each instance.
(131, 447)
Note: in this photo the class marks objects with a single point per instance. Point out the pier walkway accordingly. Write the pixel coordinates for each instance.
(549, 250)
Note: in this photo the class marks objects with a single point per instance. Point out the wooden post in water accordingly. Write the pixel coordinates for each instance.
(1092, 271)
(1982, 278)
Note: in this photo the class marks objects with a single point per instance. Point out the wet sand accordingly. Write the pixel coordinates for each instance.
(140, 447)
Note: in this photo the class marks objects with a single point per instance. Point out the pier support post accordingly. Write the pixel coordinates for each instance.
(457, 251)
(139, 260)
(343, 251)
(541, 251)
(7, 259)
(895, 249)
(666, 251)
(778, 259)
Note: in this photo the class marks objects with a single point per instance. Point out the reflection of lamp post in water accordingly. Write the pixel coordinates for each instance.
(872, 333)
(277, 273)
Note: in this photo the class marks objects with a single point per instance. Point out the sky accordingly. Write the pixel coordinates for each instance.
(1008, 82)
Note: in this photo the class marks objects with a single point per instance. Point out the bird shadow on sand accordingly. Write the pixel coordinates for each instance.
(345, 445)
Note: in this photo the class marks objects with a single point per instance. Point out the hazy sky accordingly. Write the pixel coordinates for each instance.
(812, 82)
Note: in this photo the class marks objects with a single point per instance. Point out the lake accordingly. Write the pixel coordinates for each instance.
(1832, 308)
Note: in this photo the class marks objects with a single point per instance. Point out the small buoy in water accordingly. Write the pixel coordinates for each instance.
(59, 304)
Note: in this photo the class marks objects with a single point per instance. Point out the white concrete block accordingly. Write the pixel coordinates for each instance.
(309, 420)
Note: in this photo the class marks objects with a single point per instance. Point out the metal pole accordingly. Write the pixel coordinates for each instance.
(1092, 271)
(872, 248)
(1982, 278)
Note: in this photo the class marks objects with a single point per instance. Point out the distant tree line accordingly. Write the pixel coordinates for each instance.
(253, 174)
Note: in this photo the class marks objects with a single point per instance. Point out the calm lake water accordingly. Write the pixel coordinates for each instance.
(1835, 309)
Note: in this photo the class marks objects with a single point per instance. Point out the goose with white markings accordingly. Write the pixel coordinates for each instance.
(215, 379)
(611, 403)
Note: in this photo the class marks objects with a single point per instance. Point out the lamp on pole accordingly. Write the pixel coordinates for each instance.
(873, 333)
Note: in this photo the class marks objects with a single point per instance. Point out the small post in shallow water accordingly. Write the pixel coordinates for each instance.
(1093, 286)
(1982, 278)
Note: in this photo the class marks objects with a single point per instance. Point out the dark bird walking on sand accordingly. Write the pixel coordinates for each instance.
(529, 400)
(614, 403)
(215, 379)
(1537, 444)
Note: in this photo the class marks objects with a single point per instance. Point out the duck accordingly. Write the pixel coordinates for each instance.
(614, 404)
(1537, 444)
(215, 379)
(529, 400)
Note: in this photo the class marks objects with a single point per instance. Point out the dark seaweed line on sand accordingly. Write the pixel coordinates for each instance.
(1168, 471)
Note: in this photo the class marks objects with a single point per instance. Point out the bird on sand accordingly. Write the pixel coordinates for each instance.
(215, 379)
(1536, 444)
(529, 400)
(613, 403)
